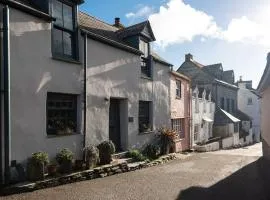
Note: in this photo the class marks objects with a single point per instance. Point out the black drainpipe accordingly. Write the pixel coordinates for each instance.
(84, 88)
(6, 59)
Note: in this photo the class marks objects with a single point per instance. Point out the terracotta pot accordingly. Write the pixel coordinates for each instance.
(52, 169)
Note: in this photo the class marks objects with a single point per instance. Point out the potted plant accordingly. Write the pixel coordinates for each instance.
(52, 168)
(64, 159)
(36, 166)
(92, 156)
(106, 150)
(78, 165)
(151, 151)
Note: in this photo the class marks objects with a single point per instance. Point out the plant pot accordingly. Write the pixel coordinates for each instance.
(52, 170)
(78, 165)
(35, 171)
(65, 167)
(105, 158)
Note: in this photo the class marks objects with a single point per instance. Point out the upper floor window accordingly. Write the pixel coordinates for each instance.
(63, 34)
(145, 63)
(178, 89)
(249, 101)
(222, 102)
(228, 105)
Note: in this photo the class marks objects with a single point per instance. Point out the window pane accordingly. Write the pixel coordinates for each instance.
(57, 12)
(57, 41)
(68, 17)
(67, 42)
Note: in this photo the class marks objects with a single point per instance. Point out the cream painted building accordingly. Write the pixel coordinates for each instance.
(127, 86)
(264, 91)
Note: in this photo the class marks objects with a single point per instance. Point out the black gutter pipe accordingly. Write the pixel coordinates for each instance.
(7, 127)
(84, 91)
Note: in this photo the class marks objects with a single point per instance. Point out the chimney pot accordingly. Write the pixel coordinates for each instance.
(188, 57)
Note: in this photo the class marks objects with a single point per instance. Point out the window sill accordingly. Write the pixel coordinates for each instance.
(69, 60)
(62, 135)
(146, 132)
(179, 98)
(146, 77)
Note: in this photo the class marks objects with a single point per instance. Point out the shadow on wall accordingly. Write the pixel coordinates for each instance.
(249, 183)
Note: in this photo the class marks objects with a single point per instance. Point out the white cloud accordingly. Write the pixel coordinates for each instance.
(177, 22)
(247, 31)
(143, 11)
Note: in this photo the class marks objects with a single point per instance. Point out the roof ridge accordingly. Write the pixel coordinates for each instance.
(83, 12)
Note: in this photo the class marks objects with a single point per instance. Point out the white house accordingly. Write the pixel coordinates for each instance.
(203, 112)
(249, 102)
(61, 61)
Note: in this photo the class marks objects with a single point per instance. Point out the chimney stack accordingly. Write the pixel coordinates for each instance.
(117, 22)
(188, 57)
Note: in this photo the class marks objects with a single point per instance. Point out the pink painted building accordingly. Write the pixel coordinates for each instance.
(180, 95)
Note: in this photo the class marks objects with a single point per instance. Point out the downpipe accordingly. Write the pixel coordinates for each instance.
(85, 94)
(6, 84)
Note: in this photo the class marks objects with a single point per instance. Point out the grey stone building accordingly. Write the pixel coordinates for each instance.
(220, 83)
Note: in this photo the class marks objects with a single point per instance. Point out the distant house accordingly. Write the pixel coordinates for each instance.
(221, 85)
(249, 102)
(264, 91)
(180, 95)
(203, 112)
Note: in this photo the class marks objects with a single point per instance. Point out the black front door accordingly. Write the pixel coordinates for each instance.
(114, 124)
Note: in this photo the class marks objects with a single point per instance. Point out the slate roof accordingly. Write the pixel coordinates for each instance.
(243, 116)
(265, 79)
(113, 34)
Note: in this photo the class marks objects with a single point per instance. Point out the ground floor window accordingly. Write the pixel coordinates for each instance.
(178, 126)
(236, 127)
(61, 113)
(144, 116)
(196, 132)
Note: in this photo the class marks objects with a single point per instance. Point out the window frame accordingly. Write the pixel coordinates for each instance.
(196, 133)
(222, 103)
(73, 33)
(178, 125)
(178, 84)
(56, 97)
(146, 70)
(148, 127)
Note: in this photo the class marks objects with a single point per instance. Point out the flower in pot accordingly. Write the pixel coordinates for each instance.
(36, 166)
(52, 168)
(64, 159)
(92, 156)
(106, 150)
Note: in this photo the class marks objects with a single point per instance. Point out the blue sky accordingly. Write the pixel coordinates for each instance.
(233, 32)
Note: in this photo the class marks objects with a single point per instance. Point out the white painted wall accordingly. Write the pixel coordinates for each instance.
(33, 74)
(197, 118)
(114, 73)
(252, 110)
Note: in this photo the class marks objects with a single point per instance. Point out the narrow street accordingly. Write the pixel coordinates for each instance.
(226, 174)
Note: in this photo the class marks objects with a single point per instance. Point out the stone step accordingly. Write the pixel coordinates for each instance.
(119, 155)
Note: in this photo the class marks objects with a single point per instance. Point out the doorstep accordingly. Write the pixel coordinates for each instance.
(121, 166)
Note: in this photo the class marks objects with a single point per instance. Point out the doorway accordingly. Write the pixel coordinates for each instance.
(114, 124)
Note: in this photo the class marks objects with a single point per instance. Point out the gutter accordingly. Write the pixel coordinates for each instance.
(28, 9)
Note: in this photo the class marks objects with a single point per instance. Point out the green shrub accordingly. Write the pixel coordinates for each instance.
(40, 158)
(65, 155)
(151, 151)
(136, 155)
(106, 149)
